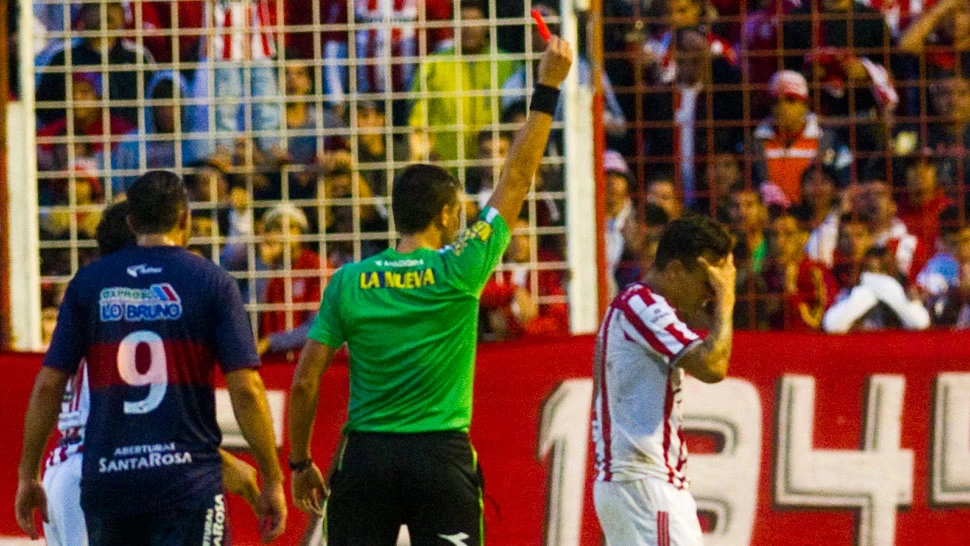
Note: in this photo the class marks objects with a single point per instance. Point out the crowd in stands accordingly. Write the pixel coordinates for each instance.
(830, 135)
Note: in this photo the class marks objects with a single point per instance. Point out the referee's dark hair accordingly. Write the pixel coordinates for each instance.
(113, 232)
(419, 193)
(688, 237)
(157, 201)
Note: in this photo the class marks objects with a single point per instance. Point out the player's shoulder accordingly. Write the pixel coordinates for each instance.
(175, 264)
(205, 275)
(638, 294)
(353, 268)
(639, 301)
(194, 263)
(101, 268)
(485, 227)
(491, 216)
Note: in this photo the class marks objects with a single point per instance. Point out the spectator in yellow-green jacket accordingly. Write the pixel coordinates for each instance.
(460, 82)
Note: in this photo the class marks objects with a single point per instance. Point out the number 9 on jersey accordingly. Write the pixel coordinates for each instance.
(156, 376)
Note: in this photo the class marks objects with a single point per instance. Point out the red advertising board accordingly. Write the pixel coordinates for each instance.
(813, 440)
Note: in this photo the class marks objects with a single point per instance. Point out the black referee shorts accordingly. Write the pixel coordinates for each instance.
(205, 527)
(430, 482)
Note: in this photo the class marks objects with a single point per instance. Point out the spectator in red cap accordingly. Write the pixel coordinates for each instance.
(791, 139)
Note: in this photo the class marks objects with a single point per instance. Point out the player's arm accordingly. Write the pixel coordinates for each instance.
(708, 360)
(39, 421)
(308, 486)
(248, 396)
(530, 142)
(251, 409)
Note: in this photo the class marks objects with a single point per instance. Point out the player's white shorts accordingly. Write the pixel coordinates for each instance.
(62, 484)
(647, 512)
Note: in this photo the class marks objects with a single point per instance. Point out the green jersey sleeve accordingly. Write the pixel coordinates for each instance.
(327, 328)
(477, 250)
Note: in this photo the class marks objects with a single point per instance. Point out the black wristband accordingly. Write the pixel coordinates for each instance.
(545, 99)
(300, 466)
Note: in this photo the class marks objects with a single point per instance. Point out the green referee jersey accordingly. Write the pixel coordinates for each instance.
(411, 324)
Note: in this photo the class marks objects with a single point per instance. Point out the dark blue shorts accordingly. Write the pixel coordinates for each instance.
(207, 527)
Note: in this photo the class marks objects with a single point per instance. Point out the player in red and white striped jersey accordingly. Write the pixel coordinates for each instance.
(62, 470)
(647, 341)
(64, 525)
(73, 416)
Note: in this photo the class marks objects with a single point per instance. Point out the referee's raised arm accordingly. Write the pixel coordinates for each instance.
(530, 141)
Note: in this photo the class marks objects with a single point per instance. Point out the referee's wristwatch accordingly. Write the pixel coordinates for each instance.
(300, 466)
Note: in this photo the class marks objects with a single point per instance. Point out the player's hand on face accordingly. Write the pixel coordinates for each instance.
(555, 62)
(721, 276)
(271, 511)
(309, 490)
(30, 497)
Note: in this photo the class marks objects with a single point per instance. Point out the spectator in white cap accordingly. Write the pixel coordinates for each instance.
(791, 139)
(619, 208)
(294, 287)
(298, 283)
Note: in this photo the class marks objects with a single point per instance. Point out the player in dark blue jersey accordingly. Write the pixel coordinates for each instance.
(64, 522)
(152, 321)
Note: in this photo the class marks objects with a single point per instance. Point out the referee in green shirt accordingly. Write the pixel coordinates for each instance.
(409, 316)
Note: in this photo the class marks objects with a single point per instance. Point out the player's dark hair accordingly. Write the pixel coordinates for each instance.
(688, 237)
(419, 193)
(113, 232)
(157, 199)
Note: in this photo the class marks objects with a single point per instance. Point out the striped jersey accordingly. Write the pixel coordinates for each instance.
(151, 323)
(241, 30)
(73, 417)
(638, 396)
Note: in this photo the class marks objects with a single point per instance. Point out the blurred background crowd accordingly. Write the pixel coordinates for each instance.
(832, 136)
